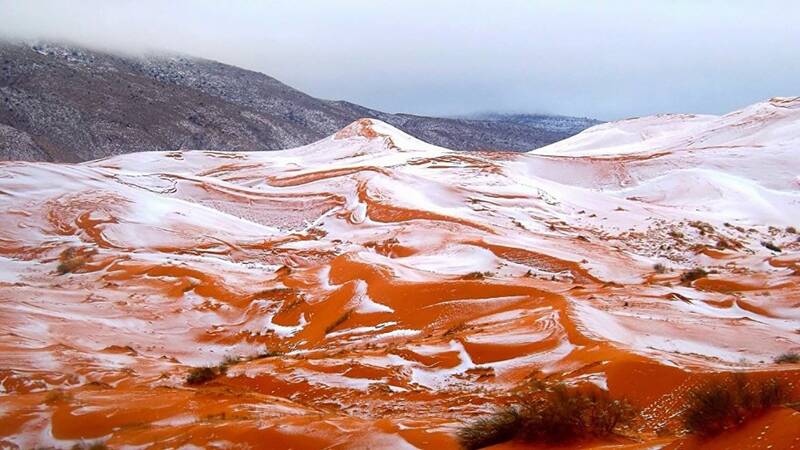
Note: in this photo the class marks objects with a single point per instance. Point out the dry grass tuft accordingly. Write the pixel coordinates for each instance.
(499, 427)
(57, 396)
(723, 404)
(477, 276)
(788, 358)
(70, 260)
(339, 320)
(693, 274)
(201, 375)
(554, 415)
(90, 446)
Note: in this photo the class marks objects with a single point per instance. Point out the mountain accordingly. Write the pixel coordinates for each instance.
(565, 124)
(72, 104)
(372, 290)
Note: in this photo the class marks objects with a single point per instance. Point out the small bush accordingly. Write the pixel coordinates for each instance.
(500, 427)
(702, 227)
(724, 243)
(726, 403)
(57, 396)
(693, 274)
(660, 268)
(90, 446)
(770, 246)
(200, 375)
(477, 275)
(339, 320)
(229, 361)
(788, 358)
(791, 230)
(554, 415)
(267, 353)
(70, 260)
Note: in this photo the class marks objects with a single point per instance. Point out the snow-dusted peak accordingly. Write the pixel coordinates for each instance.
(363, 142)
(394, 138)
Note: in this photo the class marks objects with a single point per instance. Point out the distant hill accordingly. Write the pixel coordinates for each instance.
(68, 104)
(548, 122)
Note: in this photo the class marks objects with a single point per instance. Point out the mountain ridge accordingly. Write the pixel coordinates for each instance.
(70, 104)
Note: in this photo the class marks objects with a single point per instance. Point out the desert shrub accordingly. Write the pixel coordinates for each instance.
(90, 446)
(554, 415)
(499, 427)
(200, 375)
(724, 243)
(57, 396)
(693, 274)
(770, 246)
(702, 227)
(788, 358)
(726, 403)
(339, 320)
(477, 275)
(659, 268)
(267, 353)
(70, 260)
(229, 361)
(792, 230)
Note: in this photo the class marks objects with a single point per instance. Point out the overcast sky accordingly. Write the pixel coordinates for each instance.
(603, 59)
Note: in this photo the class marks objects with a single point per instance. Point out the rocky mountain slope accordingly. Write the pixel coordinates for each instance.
(70, 104)
(371, 290)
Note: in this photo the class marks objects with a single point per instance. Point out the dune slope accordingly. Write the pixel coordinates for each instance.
(374, 291)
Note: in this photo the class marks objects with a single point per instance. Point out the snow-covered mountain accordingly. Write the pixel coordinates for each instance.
(68, 104)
